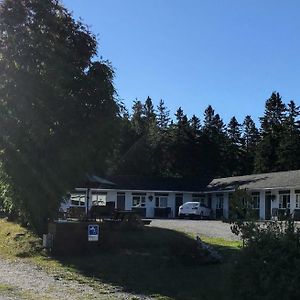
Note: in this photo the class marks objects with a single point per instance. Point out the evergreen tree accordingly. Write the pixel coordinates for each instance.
(149, 112)
(267, 154)
(138, 118)
(250, 139)
(213, 144)
(163, 116)
(289, 147)
(234, 142)
(195, 125)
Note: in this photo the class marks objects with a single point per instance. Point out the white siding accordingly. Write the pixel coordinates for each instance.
(226, 206)
(214, 204)
(292, 201)
(150, 204)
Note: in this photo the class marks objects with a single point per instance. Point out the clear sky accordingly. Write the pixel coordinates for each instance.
(191, 53)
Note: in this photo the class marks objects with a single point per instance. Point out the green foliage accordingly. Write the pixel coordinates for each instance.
(268, 266)
(242, 206)
(188, 147)
(271, 130)
(250, 139)
(57, 107)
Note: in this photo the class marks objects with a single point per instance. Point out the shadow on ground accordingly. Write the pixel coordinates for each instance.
(155, 261)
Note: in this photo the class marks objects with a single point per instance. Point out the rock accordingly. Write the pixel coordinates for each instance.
(212, 254)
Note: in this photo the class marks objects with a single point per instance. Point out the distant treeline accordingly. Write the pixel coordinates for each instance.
(150, 143)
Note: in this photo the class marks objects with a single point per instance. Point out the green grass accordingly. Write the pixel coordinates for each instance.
(152, 261)
(5, 288)
(16, 241)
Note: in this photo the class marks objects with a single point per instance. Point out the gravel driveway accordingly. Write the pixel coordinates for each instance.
(216, 229)
(21, 280)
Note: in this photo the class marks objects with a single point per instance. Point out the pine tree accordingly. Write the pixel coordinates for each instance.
(163, 116)
(267, 154)
(250, 139)
(195, 125)
(149, 113)
(233, 149)
(137, 119)
(289, 147)
(213, 144)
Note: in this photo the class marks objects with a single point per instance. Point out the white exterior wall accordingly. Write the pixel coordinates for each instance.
(150, 204)
(187, 197)
(171, 203)
(111, 196)
(214, 204)
(226, 206)
(292, 200)
(275, 202)
(128, 200)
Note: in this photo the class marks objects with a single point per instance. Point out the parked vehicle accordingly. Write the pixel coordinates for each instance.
(194, 210)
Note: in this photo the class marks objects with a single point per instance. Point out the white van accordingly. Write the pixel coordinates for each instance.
(194, 210)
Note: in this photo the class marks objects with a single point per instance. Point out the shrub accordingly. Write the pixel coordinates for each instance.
(269, 264)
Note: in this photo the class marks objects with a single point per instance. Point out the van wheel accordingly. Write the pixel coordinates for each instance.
(201, 215)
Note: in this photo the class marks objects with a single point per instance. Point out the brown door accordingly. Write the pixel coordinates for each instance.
(268, 198)
(121, 201)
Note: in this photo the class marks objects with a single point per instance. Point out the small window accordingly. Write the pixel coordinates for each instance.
(198, 198)
(255, 199)
(298, 200)
(98, 199)
(138, 200)
(220, 201)
(161, 201)
(284, 201)
(77, 199)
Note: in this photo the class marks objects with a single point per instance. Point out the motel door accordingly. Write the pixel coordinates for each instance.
(268, 199)
(219, 206)
(121, 201)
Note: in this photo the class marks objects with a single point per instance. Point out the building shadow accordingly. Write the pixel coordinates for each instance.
(155, 261)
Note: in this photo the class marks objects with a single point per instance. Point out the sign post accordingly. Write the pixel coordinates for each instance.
(93, 233)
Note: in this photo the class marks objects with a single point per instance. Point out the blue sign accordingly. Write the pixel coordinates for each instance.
(93, 233)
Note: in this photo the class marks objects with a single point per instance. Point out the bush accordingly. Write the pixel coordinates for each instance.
(269, 264)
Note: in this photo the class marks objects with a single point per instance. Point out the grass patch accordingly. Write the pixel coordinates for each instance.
(16, 241)
(152, 261)
(5, 288)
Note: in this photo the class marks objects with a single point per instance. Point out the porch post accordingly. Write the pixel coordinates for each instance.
(87, 200)
(262, 208)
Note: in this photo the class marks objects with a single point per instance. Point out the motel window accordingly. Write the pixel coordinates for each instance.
(220, 201)
(198, 198)
(98, 199)
(78, 199)
(297, 192)
(161, 200)
(255, 199)
(284, 199)
(138, 199)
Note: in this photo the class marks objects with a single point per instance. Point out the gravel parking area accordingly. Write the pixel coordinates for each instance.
(215, 229)
(20, 280)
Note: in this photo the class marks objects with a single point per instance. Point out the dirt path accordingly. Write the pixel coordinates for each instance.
(21, 280)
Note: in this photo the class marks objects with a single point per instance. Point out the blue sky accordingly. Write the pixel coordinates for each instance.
(191, 53)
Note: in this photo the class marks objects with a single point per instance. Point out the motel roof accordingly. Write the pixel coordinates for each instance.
(141, 183)
(286, 179)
